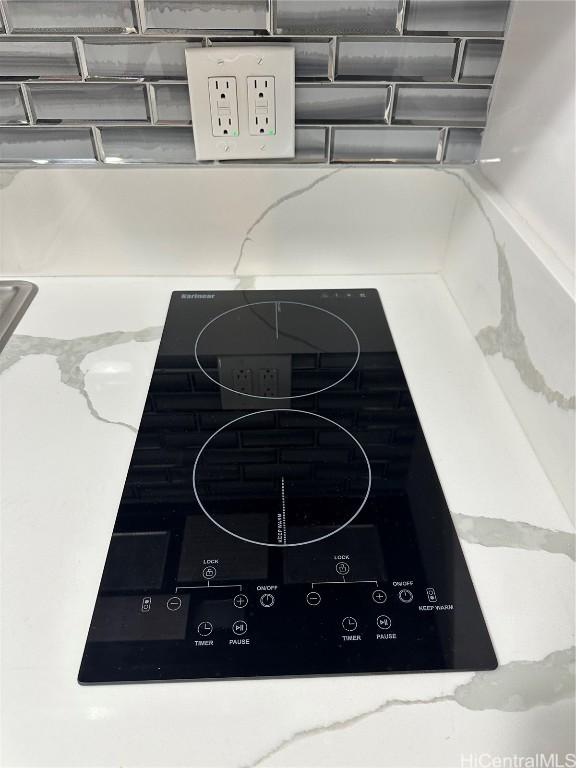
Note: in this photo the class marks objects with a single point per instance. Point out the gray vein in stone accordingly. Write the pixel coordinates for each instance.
(280, 201)
(507, 337)
(496, 532)
(514, 687)
(6, 178)
(69, 354)
(246, 283)
(521, 685)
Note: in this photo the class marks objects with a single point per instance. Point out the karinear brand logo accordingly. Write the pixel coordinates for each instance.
(197, 295)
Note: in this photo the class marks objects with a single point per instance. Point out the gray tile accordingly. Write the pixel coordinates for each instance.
(442, 104)
(70, 15)
(11, 105)
(463, 145)
(45, 144)
(88, 102)
(341, 103)
(396, 59)
(480, 61)
(149, 145)
(173, 103)
(417, 145)
(311, 58)
(138, 59)
(310, 145)
(39, 59)
(311, 55)
(327, 17)
(453, 16)
(230, 15)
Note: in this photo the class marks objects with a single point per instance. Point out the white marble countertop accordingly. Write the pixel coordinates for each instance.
(73, 383)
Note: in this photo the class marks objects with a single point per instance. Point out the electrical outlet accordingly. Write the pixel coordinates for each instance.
(223, 106)
(238, 113)
(261, 105)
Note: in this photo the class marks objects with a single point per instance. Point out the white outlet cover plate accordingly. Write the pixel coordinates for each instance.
(242, 62)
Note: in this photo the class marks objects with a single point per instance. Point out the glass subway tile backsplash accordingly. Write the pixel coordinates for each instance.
(12, 110)
(103, 82)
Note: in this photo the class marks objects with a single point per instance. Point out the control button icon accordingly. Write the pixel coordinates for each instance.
(173, 603)
(342, 568)
(431, 594)
(405, 595)
(313, 598)
(349, 624)
(209, 572)
(384, 622)
(379, 596)
(205, 628)
(240, 601)
(146, 604)
(267, 600)
(239, 627)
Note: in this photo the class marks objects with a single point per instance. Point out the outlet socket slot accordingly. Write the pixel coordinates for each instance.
(261, 105)
(223, 106)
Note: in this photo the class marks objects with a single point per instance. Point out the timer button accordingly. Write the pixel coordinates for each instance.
(349, 624)
(405, 596)
(205, 628)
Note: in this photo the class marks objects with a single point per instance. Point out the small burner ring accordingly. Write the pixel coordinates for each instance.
(273, 327)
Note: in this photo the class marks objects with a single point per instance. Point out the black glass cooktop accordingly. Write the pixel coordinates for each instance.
(281, 513)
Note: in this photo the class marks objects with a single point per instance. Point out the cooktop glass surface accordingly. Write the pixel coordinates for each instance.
(281, 513)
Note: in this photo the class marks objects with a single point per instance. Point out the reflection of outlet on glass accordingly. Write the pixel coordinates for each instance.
(242, 380)
(268, 382)
(261, 105)
(223, 106)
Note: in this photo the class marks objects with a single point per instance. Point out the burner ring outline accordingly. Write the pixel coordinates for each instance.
(278, 397)
(272, 544)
